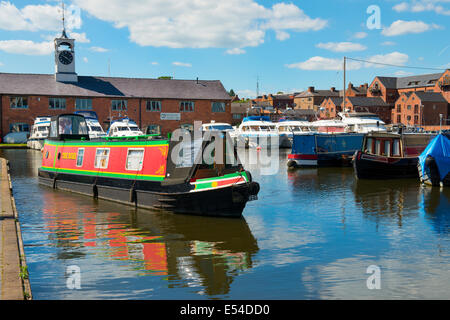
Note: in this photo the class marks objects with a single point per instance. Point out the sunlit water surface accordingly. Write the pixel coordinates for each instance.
(312, 234)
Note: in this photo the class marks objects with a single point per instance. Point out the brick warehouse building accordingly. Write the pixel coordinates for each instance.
(168, 104)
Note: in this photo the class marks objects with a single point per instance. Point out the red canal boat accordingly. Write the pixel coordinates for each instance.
(142, 172)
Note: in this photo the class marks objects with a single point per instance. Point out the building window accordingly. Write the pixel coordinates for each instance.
(135, 159)
(83, 104)
(218, 107)
(416, 108)
(153, 129)
(408, 118)
(409, 107)
(416, 119)
(236, 116)
(187, 106)
(154, 106)
(80, 157)
(18, 102)
(399, 108)
(101, 158)
(57, 103)
(399, 118)
(19, 127)
(118, 105)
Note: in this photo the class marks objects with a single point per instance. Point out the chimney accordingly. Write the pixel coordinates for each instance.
(366, 85)
(333, 89)
(310, 89)
(350, 85)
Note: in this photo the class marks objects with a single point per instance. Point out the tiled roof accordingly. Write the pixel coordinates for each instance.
(424, 80)
(367, 101)
(318, 93)
(430, 96)
(87, 86)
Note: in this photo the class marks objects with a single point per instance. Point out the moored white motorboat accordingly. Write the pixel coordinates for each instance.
(124, 127)
(287, 128)
(257, 132)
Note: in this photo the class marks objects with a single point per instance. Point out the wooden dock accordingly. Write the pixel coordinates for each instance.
(14, 280)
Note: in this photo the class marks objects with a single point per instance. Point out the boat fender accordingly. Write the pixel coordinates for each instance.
(253, 188)
(291, 163)
(95, 191)
(54, 181)
(132, 195)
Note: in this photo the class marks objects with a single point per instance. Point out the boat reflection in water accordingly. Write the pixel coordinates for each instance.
(436, 204)
(187, 251)
(393, 201)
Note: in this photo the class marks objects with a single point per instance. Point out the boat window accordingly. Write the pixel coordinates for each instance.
(80, 157)
(101, 158)
(135, 159)
(42, 128)
(369, 145)
(96, 128)
(254, 128)
(396, 148)
(134, 128)
(122, 128)
(74, 125)
(378, 147)
(387, 148)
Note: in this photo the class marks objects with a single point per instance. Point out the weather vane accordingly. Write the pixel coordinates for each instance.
(64, 35)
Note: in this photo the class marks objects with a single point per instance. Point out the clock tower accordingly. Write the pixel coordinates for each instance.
(65, 59)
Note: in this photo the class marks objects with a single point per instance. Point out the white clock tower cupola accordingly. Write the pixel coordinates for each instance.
(65, 58)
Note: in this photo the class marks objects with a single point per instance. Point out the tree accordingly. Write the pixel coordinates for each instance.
(231, 93)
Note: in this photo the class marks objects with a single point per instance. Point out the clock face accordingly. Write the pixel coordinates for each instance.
(65, 57)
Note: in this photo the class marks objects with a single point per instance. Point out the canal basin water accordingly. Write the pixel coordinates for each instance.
(312, 234)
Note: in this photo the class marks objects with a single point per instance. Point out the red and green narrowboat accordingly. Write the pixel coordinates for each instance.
(390, 155)
(143, 171)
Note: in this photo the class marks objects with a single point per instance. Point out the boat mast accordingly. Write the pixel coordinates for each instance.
(343, 98)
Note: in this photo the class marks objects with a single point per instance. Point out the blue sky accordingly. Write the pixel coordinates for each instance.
(288, 46)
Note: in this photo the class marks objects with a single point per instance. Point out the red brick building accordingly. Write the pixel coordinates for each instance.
(164, 104)
(420, 108)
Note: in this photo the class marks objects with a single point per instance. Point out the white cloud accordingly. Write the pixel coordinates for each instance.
(422, 5)
(321, 63)
(341, 46)
(282, 35)
(86, 60)
(388, 43)
(401, 27)
(201, 24)
(154, 63)
(394, 58)
(26, 47)
(37, 17)
(1, 64)
(360, 35)
(402, 73)
(182, 64)
(80, 37)
(98, 49)
(235, 51)
(334, 64)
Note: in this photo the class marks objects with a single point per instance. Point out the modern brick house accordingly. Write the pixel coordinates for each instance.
(165, 105)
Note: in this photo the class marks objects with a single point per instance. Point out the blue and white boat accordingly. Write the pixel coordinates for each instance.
(434, 162)
(324, 149)
(257, 132)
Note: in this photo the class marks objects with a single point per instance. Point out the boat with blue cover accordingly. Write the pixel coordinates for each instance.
(434, 162)
(324, 149)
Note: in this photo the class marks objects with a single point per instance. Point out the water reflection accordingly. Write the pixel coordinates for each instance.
(394, 200)
(436, 204)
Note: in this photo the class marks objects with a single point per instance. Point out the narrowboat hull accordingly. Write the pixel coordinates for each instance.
(369, 166)
(323, 150)
(227, 201)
